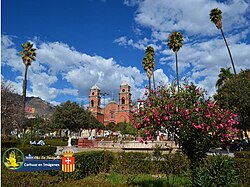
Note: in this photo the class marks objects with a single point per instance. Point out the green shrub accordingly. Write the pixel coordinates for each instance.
(176, 164)
(132, 163)
(242, 154)
(9, 143)
(10, 178)
(218, 170)
(93, 162)
(144, 163)
(242, 167)
(38, 150)
(56, 142)
(61, 141)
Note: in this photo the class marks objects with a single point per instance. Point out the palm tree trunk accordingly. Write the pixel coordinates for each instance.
(25, 86)
(230, 55)
(149, 84)
(177, 73)
(154, 80)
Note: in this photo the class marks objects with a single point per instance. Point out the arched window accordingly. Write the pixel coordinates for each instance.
(112, 115)
(123, 101)
(92, 103)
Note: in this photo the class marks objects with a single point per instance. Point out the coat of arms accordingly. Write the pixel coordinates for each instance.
(68, 161)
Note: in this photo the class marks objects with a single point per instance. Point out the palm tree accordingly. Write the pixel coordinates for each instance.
(28, 55)
(148, 65)
(175, 43)
(225, 75)
(147, 70)
(150, 55)
(216, 18)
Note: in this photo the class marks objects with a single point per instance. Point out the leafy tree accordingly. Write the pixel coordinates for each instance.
(73, 117)
(91, 122)
(28, 55)
(41, 125)
(216, 18)
(126, 128)
(235, 95)
(148, 65)
(110, 126)
(175, 43)
(225, 75)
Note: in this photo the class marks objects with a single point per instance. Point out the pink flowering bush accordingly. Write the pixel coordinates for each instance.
(195, 121)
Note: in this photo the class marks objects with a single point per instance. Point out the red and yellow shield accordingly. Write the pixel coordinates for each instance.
(68, 161)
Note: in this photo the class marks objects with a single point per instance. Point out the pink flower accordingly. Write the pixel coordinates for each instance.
(186, 112)
(207, 115)
(196, 109)
(166, 118)
(140, 140)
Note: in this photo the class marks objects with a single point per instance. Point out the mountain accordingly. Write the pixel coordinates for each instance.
(36, 107)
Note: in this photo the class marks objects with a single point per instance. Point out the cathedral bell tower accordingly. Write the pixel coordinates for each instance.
(125, 103)
(95, 103)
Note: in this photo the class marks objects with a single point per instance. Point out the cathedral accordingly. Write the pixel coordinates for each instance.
(112, 112)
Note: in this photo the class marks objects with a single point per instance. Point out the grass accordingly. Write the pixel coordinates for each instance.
(140, 180)
(10, 178)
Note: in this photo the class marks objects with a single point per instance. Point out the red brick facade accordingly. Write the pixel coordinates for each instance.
(113, 112)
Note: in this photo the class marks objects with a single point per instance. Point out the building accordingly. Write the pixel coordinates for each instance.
(112, 112)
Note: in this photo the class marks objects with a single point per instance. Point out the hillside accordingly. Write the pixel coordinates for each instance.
(42, 108)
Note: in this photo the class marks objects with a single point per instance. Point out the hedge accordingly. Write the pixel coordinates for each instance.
(9, 143)
(36, 150)
(242, 167)
(95, 162)
(242, 154)
(144, 163)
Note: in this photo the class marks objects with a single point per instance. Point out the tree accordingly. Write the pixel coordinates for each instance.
(28, 55)
(148, 65)
(73, 117)
(41, 126)
(110, 126)
(235, 95)
(225, 75)
(197, 122)
(175, 43)
(125, 128)
(11, 109)
(216, 18)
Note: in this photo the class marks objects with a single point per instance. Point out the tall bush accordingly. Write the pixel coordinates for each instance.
(195, 120)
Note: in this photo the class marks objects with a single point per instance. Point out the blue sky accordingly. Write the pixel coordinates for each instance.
(82, 43)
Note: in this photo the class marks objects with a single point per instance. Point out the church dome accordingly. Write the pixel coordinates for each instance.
(95, 87)
(112, 101)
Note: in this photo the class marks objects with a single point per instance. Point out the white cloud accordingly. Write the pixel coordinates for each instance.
(131, 2)
(140, 44)
(192, 16)
(57, 62)
(204, 51)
